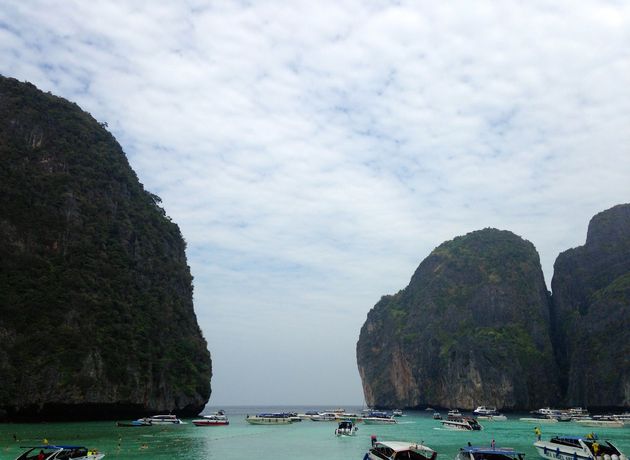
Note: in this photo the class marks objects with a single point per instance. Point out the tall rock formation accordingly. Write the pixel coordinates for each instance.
(96, 311)
(471, 328)
(591, 313)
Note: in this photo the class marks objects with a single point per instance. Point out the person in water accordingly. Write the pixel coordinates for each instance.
(537, 432)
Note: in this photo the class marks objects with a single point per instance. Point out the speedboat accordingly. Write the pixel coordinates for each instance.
(485, 410)
(396, 450)
(547, 419)
(489, 453)
(324, 417)
(269, 419)
(547, 413)
(437, 416)
(578, 413)
(603, 422)
(346, 428)
(493, 418)
(578, 447)
(216, 419)
(60, 452)
(161, 420)
(134, 424)
(397, 412)
(461, 423)
(379, 418)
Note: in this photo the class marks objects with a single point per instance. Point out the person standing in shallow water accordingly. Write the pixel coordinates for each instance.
(537, 432)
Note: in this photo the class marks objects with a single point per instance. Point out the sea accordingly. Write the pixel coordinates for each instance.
(304, 440)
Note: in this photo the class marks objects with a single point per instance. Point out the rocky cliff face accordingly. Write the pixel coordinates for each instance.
(96, 312)
(591, 313)
(471, 328)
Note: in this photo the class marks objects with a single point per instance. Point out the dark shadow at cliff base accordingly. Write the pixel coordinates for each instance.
(87, 412)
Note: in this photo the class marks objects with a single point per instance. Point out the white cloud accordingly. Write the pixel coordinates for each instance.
(314, 153)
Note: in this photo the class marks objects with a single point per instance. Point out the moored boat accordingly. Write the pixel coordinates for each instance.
(346, 428)
(134, 423)
(493, 418)
(548, 413)
(437, 416)
(393, 450)
(489, 453)
(461, 423)
(485, 410)
(269, 419)
(578, 448)
(539, 418)
(379, 420)
(397, 413)
(168, 419)
(217, 419)
(601, 422)
(324, 417)
(51, 452)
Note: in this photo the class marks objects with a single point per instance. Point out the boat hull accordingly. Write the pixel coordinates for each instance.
(374, 421)
(601, 423)
(210, 422)
(538, 420)
(268, 421)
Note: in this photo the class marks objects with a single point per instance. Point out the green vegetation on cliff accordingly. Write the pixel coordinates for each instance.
(471, 328)
(95, 292)
(591, 313)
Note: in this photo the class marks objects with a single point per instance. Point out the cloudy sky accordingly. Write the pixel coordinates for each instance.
(313, 153)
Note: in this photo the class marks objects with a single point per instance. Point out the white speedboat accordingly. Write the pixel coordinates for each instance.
(394, 450)
(397, 412)
(379, 420)
(488, 453)
(578, 448)
(601, 422)
(324, 417)
(437, 416)
(547, 413)
(269, 419)
(216, 419)
(60, 452)
(461, 423)
(578, 413)
(161, 420)
(346, 428)
(493, 418)
(485, 410)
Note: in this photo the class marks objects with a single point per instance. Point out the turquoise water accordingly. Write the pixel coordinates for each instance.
(300, 441)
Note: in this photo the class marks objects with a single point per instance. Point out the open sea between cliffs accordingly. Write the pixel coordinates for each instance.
(299, 441)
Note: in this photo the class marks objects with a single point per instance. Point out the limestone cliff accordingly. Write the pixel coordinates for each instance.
(471, 328)
(96, 312)
(591, 313)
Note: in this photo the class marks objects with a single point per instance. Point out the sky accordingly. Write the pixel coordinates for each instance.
(314, 153)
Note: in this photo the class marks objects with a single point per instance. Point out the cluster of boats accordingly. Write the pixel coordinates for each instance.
(214, 419)
(332, 415)
(577, 415)
(557, 448)
(456, 421)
